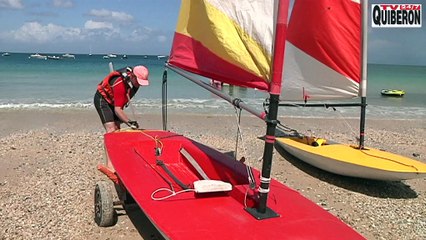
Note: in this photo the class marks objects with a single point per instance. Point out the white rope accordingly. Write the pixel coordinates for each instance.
(172, 193)
(240, 135)
(245, 197)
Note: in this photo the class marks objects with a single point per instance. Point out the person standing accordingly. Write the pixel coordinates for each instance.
(113, 94)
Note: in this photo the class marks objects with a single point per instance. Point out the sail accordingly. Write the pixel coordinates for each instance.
(226, 40)
(323, 50)
(233, 41)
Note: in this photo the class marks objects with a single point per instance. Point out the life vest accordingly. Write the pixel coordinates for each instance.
(105, 88)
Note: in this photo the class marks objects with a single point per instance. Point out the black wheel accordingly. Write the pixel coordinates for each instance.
(105, 214)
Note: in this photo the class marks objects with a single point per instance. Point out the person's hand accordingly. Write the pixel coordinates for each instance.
(133, 124)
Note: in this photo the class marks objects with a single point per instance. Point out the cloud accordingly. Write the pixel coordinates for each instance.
(161, 38)
(35, 32)
(141, 34)
(63, 3)
(93, 25)
(14, 4)
(111, 15)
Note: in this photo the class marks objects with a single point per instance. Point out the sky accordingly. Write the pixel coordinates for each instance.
(146, 27)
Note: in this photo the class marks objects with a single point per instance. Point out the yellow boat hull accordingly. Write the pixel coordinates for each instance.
(350, 161)
(393, 93)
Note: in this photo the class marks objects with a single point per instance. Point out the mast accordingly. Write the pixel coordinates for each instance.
(363, 84)
(262, 211)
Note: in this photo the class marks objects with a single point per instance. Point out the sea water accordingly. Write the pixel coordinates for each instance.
(27, 83)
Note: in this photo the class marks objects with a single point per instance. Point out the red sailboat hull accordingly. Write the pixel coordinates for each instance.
(219, 215)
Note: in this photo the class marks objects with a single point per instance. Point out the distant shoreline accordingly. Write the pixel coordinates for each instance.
(166, 55)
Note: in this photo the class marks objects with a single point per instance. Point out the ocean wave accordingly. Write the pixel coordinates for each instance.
(45, 105)
(220, 106)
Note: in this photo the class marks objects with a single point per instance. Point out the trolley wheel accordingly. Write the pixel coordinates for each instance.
(105, 214)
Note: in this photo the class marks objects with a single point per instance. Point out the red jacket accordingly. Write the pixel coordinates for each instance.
(115, 89)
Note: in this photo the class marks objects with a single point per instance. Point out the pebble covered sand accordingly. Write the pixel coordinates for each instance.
(48, 173)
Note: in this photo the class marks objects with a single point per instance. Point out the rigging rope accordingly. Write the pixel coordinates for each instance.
(326, 106)
(347, 123)
(250, 175)
(239, 135)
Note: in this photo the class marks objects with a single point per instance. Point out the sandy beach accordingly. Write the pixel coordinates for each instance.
(48, 172)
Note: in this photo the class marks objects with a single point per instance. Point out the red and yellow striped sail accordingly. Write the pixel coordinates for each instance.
(230, 41)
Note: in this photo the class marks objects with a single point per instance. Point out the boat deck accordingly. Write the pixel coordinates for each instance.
(190, 215)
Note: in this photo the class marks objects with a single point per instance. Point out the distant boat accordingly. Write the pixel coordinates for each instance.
(38, 56)
(392, 92)
(67, 55)
(161, 57)
(53, 57)
(124, 56)
(5, 54)
(109, 56)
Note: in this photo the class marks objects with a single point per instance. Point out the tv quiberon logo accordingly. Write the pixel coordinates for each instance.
(396, 15)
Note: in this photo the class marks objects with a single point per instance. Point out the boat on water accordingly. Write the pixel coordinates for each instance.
(108, 56)
(38, 56)
(54, 57)
(67, 55)
(319, 73)
(188, 190)
(6, 54)
(392, 92)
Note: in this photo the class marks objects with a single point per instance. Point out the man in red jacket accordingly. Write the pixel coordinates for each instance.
(112, 95)
(115, 92)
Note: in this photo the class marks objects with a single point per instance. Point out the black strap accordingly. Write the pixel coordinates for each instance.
(164, 167)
